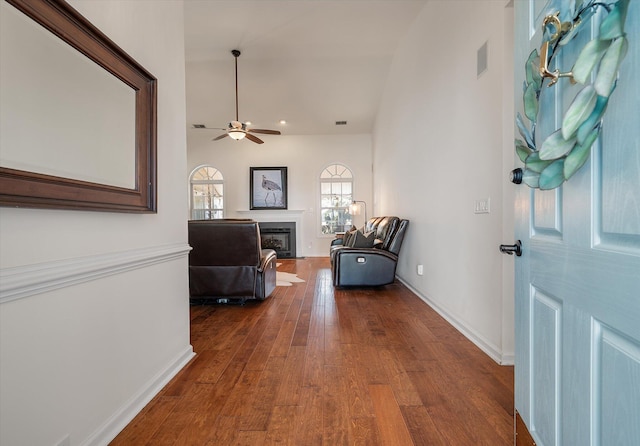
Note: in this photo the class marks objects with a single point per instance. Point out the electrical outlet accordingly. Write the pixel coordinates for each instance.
(420, 270)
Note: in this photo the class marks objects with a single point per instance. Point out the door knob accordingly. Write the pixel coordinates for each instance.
(511, 249)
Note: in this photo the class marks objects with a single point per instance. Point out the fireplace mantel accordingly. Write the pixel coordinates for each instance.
(271, 212)
(273, 215)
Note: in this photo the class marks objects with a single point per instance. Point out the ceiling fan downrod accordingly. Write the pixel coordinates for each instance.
(236, 54)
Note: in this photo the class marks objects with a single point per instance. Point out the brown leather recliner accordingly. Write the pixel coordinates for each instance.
(369, 266)
(227, 261)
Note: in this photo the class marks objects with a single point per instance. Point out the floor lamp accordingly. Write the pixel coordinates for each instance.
(355, 210)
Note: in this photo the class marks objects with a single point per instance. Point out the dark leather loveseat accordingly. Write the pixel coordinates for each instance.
(368, 264)
(227, 261)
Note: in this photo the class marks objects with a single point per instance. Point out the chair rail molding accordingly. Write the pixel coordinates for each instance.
(29, 280)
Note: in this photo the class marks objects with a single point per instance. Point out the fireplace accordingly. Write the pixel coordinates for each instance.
(279, 236)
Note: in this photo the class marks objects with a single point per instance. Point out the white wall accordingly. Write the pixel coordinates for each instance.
(304, 156)
(94, 314)
(437, 148)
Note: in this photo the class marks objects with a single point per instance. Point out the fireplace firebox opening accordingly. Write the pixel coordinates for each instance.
(279, 236)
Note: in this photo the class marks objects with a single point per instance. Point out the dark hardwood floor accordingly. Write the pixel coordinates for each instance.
(313, 365)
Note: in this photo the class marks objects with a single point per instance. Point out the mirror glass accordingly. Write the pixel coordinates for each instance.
(62, 114)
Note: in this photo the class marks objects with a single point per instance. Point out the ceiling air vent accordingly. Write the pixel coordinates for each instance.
(341, 122)
(199, 126)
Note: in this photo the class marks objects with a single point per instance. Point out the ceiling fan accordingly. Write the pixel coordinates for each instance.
(238, 130)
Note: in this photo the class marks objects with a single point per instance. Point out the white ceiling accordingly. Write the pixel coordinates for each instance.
(309, 62)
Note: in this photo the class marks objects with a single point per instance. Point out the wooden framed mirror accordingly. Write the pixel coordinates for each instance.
(78, 114)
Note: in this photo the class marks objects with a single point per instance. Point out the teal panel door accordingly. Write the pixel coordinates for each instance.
(577, 374)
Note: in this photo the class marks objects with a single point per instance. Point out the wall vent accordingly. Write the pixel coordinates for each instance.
(341, 122)
(199, 126)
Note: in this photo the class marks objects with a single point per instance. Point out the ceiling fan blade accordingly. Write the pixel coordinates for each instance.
(254, 138)
(266, 132)
(220, 137)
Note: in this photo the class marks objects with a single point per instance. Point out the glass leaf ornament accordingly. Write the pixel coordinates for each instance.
(579, 111)
(579, 155)
(612, 26)
(523, 150)
(596, 115)
(524, 131)
(536, 164)
(588, 59)
(609, 65)
(552, 176)
(531, 178)
(555, 146)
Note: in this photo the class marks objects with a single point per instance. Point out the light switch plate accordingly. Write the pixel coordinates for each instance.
(482, 206)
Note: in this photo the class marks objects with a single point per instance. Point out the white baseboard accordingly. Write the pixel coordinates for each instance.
(122, 417)
(24, 281)
(489, 348)
(508, 358)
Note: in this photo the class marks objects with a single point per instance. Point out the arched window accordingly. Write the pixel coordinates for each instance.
(336, 195)
(207, 192)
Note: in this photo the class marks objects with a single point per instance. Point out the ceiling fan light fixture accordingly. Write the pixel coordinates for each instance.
(238, 130)
(237, 134)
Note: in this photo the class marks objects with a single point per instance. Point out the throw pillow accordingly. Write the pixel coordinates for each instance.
(361, 240)
(348, 236)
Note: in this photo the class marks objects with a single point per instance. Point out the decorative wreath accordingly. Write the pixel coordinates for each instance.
(566, 150)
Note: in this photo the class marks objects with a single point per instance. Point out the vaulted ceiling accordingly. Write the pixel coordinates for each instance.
(309, 62)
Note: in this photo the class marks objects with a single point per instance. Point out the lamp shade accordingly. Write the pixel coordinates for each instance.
(354, 208)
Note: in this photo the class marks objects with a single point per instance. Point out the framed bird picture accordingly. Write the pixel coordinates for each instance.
(268, 188)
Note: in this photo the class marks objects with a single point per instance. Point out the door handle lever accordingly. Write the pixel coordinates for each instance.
(512, 249)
